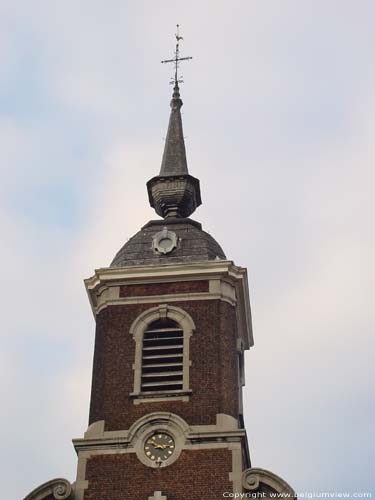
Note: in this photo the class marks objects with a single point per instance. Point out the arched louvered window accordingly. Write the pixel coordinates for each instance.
(162, 349)
(162, 357)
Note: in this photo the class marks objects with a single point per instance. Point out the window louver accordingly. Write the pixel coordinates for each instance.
(162, 357)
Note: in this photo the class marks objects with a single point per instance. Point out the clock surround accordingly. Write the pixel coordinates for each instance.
(156, 423)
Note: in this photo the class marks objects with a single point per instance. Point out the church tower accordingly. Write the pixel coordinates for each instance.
(173, 321)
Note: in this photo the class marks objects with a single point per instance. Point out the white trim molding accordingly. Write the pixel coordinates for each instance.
(157, 496)
(227, 282)
(224, 434)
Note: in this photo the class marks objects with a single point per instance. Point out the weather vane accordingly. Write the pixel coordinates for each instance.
(176, 60)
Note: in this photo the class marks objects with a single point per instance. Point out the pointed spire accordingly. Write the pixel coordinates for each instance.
(174, 193)
(174, 156)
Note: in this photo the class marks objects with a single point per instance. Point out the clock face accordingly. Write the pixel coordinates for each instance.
(159, 447)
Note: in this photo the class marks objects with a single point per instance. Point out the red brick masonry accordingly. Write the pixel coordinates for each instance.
(213, 372)
(164, 288)
(196, 475)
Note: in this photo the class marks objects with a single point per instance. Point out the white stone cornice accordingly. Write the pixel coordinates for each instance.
(225, 430)
(168, 298)
(156, 273)
(227, 282)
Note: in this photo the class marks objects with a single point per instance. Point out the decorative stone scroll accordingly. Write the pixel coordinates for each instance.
(264, 481)
(59, 488)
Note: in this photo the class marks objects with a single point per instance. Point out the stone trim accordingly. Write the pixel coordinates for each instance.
(254, 478)
(104, 302)
(236, 475)
(157, 496)
(137, 330)
(175, 396)
(103, 287)
(81, 483)
(224, 434)
(96, 434)
(59, 488)
(158, 273)
(171, 424)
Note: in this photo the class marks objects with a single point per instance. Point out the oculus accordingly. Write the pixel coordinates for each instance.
(164, 241)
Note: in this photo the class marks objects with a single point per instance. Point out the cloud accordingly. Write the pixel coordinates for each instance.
(279, 119)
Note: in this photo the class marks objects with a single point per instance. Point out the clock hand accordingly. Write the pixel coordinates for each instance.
(155, 445)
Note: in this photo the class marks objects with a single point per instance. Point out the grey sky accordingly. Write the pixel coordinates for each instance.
(279, 117)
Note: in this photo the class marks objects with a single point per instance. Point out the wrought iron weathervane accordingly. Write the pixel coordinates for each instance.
(176, 60)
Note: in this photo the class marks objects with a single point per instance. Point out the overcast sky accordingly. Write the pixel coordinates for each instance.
(279, 117)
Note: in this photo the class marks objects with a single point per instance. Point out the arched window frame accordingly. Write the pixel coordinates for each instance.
(137, 329)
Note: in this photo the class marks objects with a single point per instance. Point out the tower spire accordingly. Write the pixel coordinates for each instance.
(174, 193)
(174, 156)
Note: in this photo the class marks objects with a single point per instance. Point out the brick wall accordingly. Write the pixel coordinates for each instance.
(213, 373)
(196, 475)
(196, 286)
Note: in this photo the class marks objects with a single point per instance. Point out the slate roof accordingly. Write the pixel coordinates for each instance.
(174, 194)
(174, 156)
(194, 245)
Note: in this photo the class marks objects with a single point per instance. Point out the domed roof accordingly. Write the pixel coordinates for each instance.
(168, 241)
(174, 194)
